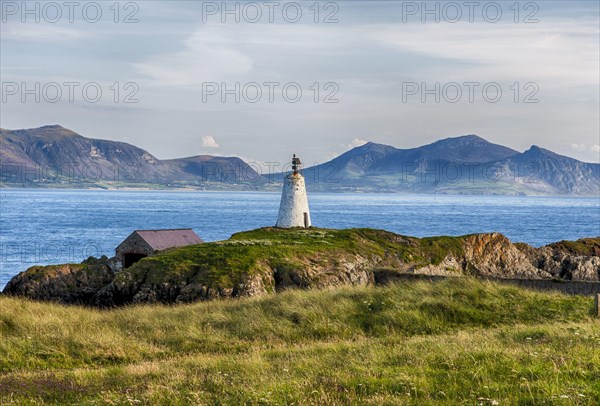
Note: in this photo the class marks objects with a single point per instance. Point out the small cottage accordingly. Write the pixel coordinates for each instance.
(145, 243)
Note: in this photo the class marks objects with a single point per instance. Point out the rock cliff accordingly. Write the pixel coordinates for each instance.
(269, 260)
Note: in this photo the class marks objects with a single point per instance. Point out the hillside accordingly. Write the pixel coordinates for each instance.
(545, 172)
(267, 260)
(457, 341)
(373, 158)
(459, 165)
(53, 156)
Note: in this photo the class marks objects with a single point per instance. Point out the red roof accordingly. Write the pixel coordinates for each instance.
(163, 239)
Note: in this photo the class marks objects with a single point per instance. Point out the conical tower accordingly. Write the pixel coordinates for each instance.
(293, 209)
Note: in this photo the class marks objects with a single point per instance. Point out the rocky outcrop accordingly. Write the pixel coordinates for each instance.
(494, 255)
(67, 283)
(269, 260)
(269, 275)
(564, 265)
(121, 292)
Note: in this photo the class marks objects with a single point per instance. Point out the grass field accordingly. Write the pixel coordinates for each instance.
(458, 341)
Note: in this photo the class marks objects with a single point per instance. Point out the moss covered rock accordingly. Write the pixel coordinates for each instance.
(269, 259)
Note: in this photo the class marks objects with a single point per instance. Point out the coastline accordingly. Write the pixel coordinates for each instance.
(277, 189)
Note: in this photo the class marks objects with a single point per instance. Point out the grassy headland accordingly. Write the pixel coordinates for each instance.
(454, 341)
(267, 260)
(256, 253)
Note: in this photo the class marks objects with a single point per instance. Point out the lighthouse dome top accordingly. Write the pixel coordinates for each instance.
(296, 164)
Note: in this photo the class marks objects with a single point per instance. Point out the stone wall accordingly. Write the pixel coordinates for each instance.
(132, 244)
(569, 287)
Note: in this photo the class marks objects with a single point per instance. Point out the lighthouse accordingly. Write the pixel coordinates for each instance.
(293, 209)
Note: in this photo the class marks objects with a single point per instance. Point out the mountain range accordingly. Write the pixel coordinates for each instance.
(467, 165)
(53, 156)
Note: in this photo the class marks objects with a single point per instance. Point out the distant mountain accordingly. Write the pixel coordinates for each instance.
(55, 156)
(461, 165)
(545, 172)
(374, 158)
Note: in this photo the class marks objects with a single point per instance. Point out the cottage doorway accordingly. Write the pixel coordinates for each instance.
(131, 258)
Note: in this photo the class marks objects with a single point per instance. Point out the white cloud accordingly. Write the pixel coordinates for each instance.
(565, 49)
(41, 32)
(554, 53)
(206, 57)
(356, 142)
(583, 147)
(209, 141)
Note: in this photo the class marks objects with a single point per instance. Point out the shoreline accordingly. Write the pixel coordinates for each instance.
(277, 191)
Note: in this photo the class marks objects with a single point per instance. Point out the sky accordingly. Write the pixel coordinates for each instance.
(263, 80)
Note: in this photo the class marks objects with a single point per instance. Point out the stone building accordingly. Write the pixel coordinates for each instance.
(293, 209)
(145, 243)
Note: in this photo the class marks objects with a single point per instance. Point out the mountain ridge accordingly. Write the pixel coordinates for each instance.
(466, 164)
(56, 156)
(456, 165)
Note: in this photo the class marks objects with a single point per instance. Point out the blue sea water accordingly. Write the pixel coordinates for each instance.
(58, 226)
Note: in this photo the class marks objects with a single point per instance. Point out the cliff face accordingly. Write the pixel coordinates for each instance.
(269, 260)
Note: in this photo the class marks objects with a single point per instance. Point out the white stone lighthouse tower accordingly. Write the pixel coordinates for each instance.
(293, 210)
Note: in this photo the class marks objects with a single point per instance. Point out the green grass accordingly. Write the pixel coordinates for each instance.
(457, 341)
(583, 246)
(225, 264)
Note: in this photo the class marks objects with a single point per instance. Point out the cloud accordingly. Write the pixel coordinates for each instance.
(558, 53)
(209, 141)
(357, 142)
(41, 32)
(207, 57)
(583, 147)
(565, 49)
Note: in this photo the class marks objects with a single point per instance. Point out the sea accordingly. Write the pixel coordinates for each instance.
(44, 226)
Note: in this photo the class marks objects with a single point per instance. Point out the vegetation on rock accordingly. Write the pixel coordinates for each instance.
(583, 246)
(270, 259)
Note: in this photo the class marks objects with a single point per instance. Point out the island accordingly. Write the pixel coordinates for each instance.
(270, 260)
